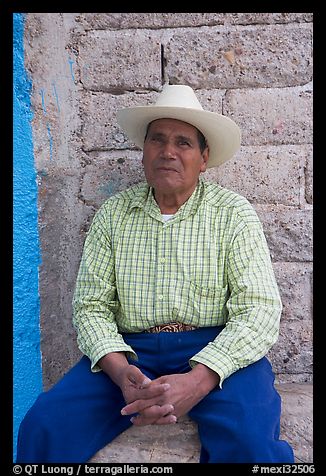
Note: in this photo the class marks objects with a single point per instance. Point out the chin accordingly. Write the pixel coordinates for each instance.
(167, 183)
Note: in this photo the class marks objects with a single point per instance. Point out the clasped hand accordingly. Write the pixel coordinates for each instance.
(160, 401)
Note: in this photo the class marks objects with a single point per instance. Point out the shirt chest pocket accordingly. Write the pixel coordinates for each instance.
(199, 305)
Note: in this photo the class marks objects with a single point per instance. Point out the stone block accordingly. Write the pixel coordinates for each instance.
(297, 419)
(103, 21)
(120, 60)
(240, 57)
(110, 173)
(55, 92)
(272, 115)
(265, 174)
(107, 21)
(292, 355)
(179, 443)
(295, 284)
(100, 130)
(60, 218)
(288, 232)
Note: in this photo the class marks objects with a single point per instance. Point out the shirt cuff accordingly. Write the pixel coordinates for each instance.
(222, 364)
(104, 347)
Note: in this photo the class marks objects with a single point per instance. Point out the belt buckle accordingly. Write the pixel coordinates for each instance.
(171, 327)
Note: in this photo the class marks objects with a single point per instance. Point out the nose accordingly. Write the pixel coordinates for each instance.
(168, 151)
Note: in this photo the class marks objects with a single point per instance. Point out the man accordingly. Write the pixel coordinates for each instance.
(175, 306)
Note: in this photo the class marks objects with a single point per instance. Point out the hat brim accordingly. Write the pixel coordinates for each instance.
(222, 133)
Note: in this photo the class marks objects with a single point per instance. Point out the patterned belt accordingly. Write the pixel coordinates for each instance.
(171, 327)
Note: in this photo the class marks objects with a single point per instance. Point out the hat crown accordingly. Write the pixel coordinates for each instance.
(178, 96)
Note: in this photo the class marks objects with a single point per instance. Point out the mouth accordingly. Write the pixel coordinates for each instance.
(166, 169)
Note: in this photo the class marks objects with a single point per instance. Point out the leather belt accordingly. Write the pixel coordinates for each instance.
(171, 327)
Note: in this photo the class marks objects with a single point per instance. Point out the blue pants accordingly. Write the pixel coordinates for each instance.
(239, 423)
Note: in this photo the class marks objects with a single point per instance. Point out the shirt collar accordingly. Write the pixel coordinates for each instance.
(144, 199)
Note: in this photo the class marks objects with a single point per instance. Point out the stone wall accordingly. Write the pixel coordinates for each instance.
(254, 67)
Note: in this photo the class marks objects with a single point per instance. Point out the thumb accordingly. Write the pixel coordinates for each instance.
(145, 382)
(137, 377)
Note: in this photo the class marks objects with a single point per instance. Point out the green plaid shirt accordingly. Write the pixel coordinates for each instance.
(209, 265)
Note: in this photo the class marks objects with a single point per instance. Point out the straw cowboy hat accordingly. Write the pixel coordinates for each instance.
(180, 102)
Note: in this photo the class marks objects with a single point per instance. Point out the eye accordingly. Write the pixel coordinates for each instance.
(157, 139)
(184, 143)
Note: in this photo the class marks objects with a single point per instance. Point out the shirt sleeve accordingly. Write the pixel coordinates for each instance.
(254, 306)
(95, 298)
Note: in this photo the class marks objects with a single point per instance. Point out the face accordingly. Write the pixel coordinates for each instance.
(172, 158)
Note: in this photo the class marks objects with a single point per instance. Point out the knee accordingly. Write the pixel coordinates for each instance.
(33, 432)
(36, 416)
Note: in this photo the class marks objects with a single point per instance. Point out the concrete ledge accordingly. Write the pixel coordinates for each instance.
(180, 444)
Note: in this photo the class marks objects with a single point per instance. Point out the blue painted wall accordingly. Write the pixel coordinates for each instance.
(26, 345)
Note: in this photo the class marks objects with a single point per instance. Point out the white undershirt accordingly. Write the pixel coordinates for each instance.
(166, 217)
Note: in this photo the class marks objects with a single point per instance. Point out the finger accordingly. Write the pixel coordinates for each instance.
(140, 420)
(140, 404)
(144, 397)
(157, 411)
(166, 420)
(155, 414)
(152, 414)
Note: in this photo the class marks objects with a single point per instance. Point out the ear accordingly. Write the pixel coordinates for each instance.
(205, 157)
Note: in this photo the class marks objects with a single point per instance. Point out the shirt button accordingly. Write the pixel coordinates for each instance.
(162, 260)
(161, 297)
